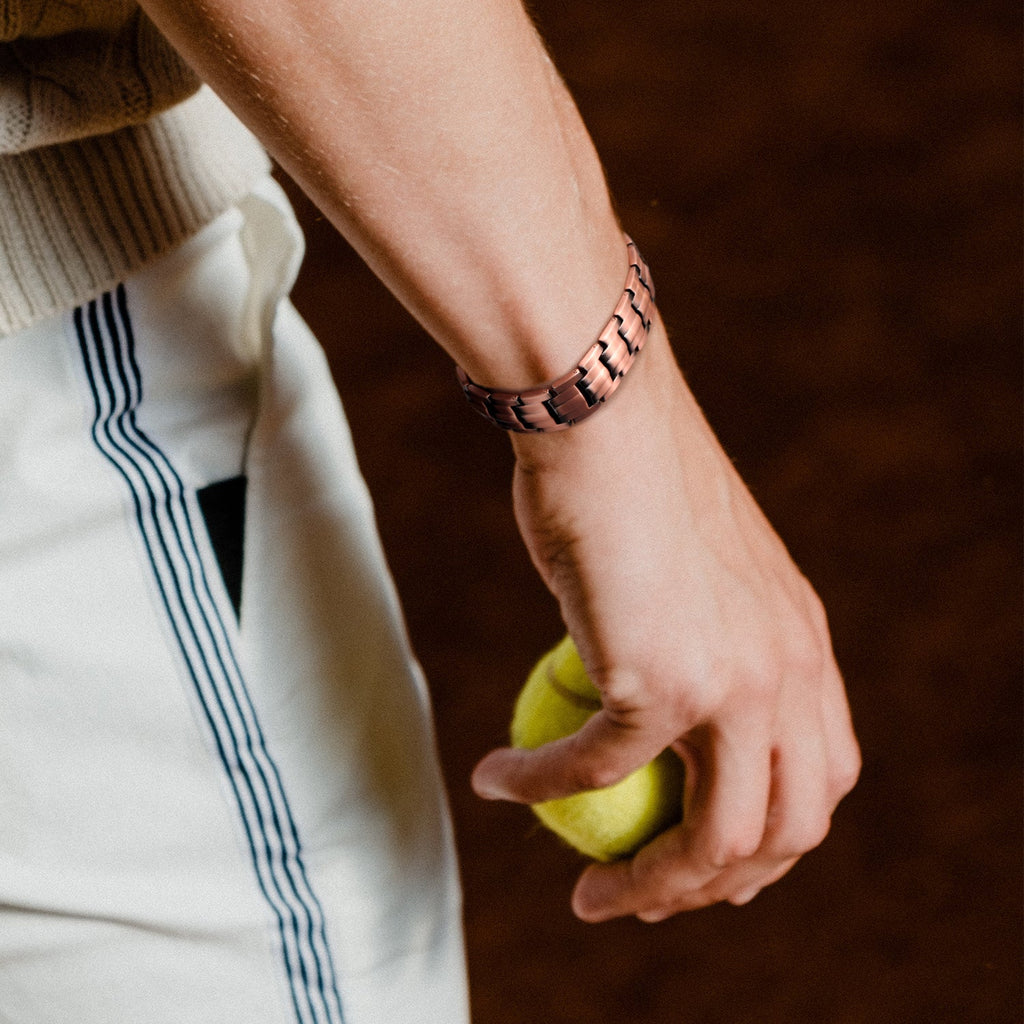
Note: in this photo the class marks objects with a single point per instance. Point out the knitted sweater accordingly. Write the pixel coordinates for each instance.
(111, 152)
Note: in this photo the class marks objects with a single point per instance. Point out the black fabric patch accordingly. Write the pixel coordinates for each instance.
(223, 507)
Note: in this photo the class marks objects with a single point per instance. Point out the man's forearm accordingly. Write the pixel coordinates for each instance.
(439, 139)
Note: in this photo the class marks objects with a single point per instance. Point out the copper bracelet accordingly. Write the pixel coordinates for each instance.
(579, 393)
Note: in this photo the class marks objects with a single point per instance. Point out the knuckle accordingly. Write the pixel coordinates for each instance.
(763, 666)
(585, 774)
(758, 683)
(808, 654)
(813, 660)
(580, 778)
(814, 834)
(847, 772)
(732, 849)
(600, 776)
(803, 837)
(816, 611)
(673, 900)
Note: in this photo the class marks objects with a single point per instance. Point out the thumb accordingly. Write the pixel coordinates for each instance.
(600, 754)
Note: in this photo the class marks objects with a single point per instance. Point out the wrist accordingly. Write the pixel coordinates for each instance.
(574, 396)
(647, 403)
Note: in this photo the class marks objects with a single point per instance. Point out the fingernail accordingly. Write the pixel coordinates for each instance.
(488, 788)
(654, 916)
(490, 792)
(594, 898)
(588, 912)
(745, 896)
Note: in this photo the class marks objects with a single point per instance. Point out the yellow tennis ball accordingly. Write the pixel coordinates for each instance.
(605, 824)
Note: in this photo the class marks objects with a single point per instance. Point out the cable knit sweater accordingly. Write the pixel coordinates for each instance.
(111, 152)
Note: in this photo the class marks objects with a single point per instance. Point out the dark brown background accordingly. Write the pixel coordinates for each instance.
(828, 195)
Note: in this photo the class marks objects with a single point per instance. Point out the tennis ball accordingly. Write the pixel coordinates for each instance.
(605, 824)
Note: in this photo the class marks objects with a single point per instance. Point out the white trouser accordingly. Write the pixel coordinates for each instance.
(207, 815)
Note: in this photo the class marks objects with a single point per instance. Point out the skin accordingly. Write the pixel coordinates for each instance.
(439, 139)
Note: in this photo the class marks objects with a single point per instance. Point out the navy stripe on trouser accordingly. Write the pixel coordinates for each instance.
(168, 530)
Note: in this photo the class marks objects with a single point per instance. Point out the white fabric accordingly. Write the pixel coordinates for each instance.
(202, 818)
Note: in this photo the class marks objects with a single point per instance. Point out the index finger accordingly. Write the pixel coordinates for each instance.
(602, 752)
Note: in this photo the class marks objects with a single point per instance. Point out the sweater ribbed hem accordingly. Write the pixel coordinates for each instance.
(76, 218)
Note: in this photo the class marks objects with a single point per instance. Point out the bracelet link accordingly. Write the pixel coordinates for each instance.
(577, 394)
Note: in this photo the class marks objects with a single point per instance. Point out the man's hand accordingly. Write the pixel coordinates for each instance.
(701, 635)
